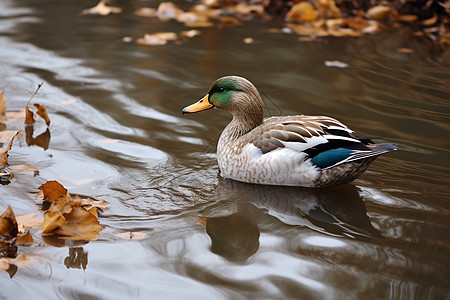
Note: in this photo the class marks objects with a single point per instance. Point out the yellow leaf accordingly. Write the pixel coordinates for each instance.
(302, 12)
(430, 21)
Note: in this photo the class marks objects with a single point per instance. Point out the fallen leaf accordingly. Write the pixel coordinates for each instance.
(88, 203)
(24, 167)
(24, 238)
(42, 112)
(102, 9)
(30, 220)
(8, 224)
(5, 136)
(53, 219)
(307, 31)
(167, 11)
(29, 117)
(407, 18)
(431, 21)
(336, 63)
(79, 225)
(329, 8)
(4, 152)
(378, 12)
(53, 190)
(199, 24)
(302, 12)
(2, 104)
(130, 235)
(157, 39)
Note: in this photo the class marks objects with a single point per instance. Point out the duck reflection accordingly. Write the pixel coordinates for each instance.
(234, 222)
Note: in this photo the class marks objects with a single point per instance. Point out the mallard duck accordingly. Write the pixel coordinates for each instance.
(308, 151)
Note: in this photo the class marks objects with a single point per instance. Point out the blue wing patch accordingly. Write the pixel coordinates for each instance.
(331, 157)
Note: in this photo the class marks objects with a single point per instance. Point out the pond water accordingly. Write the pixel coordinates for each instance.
(117, 134)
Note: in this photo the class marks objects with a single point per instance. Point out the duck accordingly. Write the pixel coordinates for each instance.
(295, 150)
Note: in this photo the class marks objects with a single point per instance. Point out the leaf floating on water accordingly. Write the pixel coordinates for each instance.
(431, 21)
(302, 12)
(2, 104)
(52, 190)
(69, 217)
(4, 152)
(30, 220)
(42, 112)
(335, 63)
(8, 225)
(102, 9)
(378, 12)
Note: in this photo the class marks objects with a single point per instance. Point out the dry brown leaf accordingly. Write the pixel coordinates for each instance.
(80, 225)
(378, 12)
(2, 104)
(329, 8)
(8, 224)
(29, 117)
(302, 12)
(431, 21)
(24, 238)
(42, 112)
(4, 152)
(53, 219)
(102, 9)
(30, 220)
(53, 190)
(88, 203)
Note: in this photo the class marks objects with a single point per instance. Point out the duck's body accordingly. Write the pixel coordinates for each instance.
(309, 151)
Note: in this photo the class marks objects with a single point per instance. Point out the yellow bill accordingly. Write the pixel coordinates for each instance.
(202, 104)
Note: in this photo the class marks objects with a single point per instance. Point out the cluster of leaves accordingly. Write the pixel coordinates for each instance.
(309, 19)
(7, 136)
(65, 218)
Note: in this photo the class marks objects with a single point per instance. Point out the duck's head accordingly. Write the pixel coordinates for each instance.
(235, 95)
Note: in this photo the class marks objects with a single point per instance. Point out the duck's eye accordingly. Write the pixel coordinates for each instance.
(221, 89)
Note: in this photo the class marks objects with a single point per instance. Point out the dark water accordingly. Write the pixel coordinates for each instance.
(122, 138)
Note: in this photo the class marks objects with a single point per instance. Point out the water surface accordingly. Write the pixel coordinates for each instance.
(117, 134)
